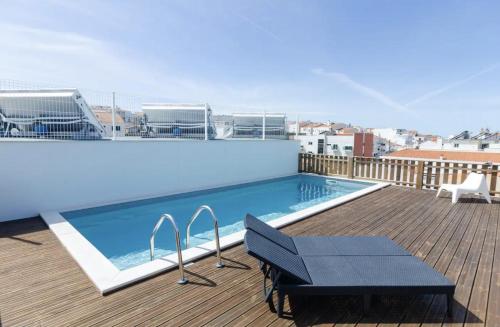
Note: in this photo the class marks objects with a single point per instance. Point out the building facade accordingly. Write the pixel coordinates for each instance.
(355, 144)
(465, 141)
(106, 119)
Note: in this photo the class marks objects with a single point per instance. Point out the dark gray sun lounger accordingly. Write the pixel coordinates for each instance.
(293, 274)
(326, 245)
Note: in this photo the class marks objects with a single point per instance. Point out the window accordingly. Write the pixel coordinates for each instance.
(348, 148)
(485, 146)
(117, 128)
(335, 147)
(309, 143)
(321, 144)
(456, 145)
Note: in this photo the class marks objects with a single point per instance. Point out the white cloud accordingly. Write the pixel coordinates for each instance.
(28, 39)
(363, 89)
(55, 58)
(453, 85)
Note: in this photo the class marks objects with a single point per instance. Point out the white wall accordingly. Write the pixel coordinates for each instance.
(108, 128)
(341, 141)
(494, 147)
(429, 145)
(60, 175)
(398, 136)
(462, 146)
(309, 143)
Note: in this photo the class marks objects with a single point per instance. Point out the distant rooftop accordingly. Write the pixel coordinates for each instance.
(448, 155)
(107, 118)
(484, 134)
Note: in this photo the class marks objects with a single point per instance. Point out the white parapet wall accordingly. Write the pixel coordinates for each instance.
(40, 176)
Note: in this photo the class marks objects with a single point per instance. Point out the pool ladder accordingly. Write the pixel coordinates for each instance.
(183, 279)
(169, 217)
(196, 214)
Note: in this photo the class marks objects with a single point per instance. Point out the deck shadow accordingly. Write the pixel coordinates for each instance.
(15, 238)
(470, 199)
(384, 309)
(207, 282)
(235, 264)
(19, 230)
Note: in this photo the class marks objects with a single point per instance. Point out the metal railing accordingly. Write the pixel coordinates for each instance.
(182, 280)
(34, 111)
(198, 211)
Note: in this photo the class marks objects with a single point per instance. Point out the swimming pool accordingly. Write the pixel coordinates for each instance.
(120, 232)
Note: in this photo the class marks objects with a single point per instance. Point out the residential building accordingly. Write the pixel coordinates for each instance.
(356, 144)
(382, 146)
(349, 130)
(314, 128)
(465, 141)
(397, 136)
(132, 120)
(106, 120)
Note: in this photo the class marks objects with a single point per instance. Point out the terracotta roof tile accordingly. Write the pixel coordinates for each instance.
(448, 155)
(107, 118)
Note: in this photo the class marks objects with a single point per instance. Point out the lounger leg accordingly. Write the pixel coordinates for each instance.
(262, 267)
(268, 292)
(449, 304)
(439, 192)
(281, 302)
(367, 301)
(487, 197)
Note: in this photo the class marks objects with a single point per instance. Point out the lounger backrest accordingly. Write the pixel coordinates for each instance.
(270, 233)
(473, 180)
(276, 257)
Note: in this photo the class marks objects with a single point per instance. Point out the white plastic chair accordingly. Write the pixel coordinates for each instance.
(474, 183)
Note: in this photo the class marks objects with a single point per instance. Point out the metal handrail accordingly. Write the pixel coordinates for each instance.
(202, 208)
(182, 280)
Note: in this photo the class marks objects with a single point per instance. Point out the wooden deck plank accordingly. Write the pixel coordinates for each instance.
(493, 304)
(476, 315)
(458, 274)
(416, 309)
(416, 312)
(42, 285)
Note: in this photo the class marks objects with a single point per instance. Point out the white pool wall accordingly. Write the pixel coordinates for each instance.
(65, 175)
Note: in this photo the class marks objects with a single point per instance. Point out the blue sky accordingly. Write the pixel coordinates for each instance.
(427, 65)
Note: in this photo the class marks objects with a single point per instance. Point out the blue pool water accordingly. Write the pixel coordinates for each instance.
(121, 232)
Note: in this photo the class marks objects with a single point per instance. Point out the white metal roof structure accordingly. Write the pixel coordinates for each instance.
(173, 120)
(247, 125)
(47, 113)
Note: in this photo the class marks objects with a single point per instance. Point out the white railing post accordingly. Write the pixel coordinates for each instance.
(113, 123)
(206, 122)
(264, 126)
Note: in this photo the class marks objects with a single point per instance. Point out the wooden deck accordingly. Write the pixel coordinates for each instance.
(41, 285)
